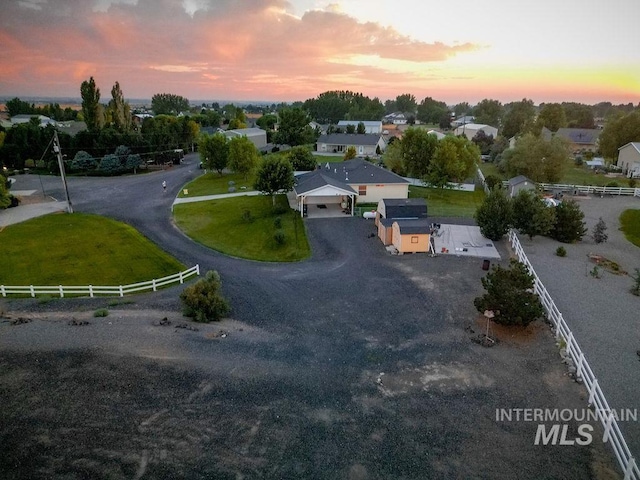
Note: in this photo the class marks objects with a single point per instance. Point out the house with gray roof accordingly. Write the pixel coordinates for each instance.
(365, 144)
(516, 184)
(337, 187)
(629, 159)
(580, 139)
(257, 136)
(370, 126)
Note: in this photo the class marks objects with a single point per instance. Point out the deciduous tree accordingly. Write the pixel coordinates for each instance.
(294, 128)
(406, 103)
(91, 109)
(494, 215)
(119, 109)
(431, 111)
(531, 216)
(214, 151)
(619, 131)
(418, 148)
(168, 104)
(552, 116)
(489, 112)
(453, 161)
(536, 158)
(519, 118)
(301, 158)
(243, 156)
(274, 175)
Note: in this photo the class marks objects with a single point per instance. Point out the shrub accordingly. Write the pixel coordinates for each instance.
(569, 224)
(247, 217)
(612, 184)
(510, 295)
(632, 183)
(101, 312)
(280, 209)
(277, 222)
(561, 252)
(203, 301)
(279, 237)
(492, 181)
(600, 232)
(578, 161)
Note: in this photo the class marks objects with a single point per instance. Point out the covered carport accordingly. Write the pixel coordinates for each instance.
(318, 196)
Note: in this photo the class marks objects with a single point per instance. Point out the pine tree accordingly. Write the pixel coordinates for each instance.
(599, 232)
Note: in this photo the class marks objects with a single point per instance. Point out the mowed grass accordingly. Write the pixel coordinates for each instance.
(442, 202)
(630, 225)
(213, 183)
(573, 175)
(80, 249)
(219, 224)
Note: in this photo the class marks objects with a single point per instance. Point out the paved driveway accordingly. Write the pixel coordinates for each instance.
(353, 364)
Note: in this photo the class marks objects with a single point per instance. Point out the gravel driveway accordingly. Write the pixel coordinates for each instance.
(354, 364)
(603, 315)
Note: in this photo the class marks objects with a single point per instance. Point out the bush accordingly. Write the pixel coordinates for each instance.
(632, 183)
(561, 252)
(578, 161)
(279, 237)
(280, 209)
(247, 217)
(569, 226)
(101, 312)
(203, 301)
(612, 184)
(510, 295)
(492, 181)
(277, 222)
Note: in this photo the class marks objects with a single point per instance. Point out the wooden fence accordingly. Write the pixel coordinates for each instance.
(597, 400)
(92, 290)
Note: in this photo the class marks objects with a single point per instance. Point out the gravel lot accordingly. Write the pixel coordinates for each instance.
(354, 364)
(603, 315)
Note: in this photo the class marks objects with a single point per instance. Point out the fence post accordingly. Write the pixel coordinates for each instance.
(4, 293)
(198, 269)
(121, 291)
(33, 292)
(579, 366)
(607, 427)
(181, 277)
(91, 291)
(570, 344)
(154, 285)
(592, 392)
(61, 291)
(630, 467)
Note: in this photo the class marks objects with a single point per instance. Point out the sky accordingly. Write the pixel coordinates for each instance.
(283, 51)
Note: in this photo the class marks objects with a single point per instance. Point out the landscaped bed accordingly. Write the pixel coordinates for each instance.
(246, 227)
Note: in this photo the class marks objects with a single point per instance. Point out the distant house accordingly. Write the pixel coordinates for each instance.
(471, 129)
(71, 127)
(396, 118)
(369, 126)
(464, 120)
(26, 118)
(319, 127)
(257, 136)
(337, 186)
(439, 135)
(580, 139)
(138, 118)
(595, 163)
(629, 159)
(365, 144)
(516, 184)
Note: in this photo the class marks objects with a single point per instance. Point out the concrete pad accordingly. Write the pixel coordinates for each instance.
(22, 193)
(463, 240)
(10, 216)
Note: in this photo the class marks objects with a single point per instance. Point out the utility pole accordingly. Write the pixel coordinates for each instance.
(58, 151)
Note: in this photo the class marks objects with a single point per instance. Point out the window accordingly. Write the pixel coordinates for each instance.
(414, 239)
(362, 189)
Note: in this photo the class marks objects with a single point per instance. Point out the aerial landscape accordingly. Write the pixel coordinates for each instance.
(269, 239)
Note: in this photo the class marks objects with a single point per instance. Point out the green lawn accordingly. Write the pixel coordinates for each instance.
(219, 224)
(214, 183)
(574, 175)
(630, 225)
(443, 202)
(80, 249)
(329, 158)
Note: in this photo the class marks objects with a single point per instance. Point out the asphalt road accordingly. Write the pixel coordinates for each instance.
(353, 364)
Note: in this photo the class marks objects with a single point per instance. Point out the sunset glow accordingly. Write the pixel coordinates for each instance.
(277, 50)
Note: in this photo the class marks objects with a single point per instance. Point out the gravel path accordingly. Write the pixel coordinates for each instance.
(603, 315)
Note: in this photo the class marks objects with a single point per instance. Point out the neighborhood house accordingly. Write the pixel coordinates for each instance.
(629, 159)
(365, 144)
(335, 188)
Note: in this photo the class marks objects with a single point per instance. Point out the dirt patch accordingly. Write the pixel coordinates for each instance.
(610, 266)
(511, 335)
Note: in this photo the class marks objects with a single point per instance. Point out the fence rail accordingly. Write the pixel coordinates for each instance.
(585, 189)
(93, 290)
(612, 433)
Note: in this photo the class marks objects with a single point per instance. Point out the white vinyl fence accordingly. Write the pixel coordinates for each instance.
(93, 290)
(612, 433)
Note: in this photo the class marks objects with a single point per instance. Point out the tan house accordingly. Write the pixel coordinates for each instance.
(411, 236)
(338, 186)
(579, 139)
(629, 159)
